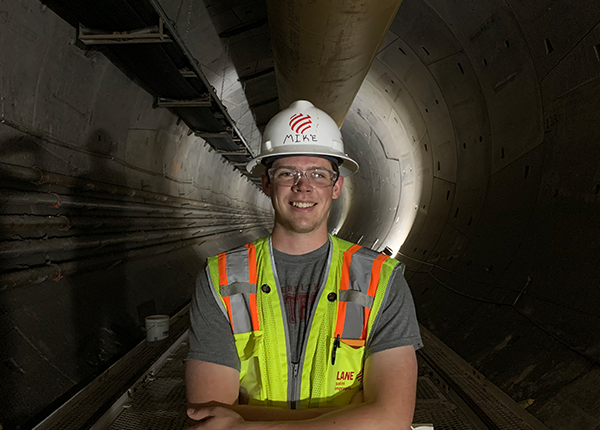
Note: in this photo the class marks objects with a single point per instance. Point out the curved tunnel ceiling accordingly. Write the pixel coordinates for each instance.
(476, 132)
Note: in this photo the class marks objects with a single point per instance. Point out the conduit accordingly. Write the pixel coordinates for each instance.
(55, 201)
(100, 224)
(55, 272)
(62, 223)
(323, 50)
(39, 177)
(17, 248)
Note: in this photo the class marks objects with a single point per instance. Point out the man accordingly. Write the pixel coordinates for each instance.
(302, 330)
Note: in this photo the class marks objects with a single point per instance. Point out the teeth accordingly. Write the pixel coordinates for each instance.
(302, 205)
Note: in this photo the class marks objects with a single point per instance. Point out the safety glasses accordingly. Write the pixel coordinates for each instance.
(317, 177)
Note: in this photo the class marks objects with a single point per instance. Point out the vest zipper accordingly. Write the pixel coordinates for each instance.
(298, 367)
(291, 380)
(294, 388)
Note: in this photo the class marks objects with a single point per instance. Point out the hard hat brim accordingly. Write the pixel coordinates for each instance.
(347, 168)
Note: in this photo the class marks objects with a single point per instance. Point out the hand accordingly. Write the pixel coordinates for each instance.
(214, 418)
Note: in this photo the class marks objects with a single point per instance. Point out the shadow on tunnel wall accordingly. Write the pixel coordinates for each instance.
(99, 313)
(14, 344)
(68, 308)
(58, 331)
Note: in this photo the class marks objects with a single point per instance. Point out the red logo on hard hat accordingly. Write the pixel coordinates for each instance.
(300, 123)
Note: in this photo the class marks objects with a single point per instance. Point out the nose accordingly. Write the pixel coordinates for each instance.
(303, 184)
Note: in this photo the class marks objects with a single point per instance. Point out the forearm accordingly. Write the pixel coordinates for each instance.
(375, 416)
(388, 403)
(264, 413)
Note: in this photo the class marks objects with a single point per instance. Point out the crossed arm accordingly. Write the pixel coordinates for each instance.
(389, 383)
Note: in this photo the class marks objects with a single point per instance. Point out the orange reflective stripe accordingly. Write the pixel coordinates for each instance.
(345, 281)
(376, 273)
(252, 279)
(373, 284)
(223, 269)
(364, 332)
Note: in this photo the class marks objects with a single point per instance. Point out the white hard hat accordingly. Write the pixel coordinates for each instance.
(303, 129)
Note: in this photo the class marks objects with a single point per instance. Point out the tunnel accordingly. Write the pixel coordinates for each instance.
(126, 125)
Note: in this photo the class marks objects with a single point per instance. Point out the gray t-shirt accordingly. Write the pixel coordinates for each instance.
(300, 278)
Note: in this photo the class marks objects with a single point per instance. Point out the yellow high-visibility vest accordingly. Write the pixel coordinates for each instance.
(331, 361)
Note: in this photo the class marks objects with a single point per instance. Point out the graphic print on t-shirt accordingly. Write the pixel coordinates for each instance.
(299, 300)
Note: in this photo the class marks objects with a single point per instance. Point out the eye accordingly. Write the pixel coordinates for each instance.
(285, 174)
(319, 174)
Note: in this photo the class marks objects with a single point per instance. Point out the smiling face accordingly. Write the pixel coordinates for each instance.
(302, 209)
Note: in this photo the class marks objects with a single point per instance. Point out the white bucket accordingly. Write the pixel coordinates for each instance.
(157, 327)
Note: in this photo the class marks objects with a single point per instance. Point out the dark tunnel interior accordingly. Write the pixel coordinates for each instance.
(477, 134)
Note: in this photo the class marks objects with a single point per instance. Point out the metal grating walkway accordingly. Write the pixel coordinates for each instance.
(159, 402)
(492, 408)
(433, 406)
(88, 406)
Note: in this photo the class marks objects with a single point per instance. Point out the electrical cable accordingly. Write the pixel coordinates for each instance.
(433, 266)
(594, 361)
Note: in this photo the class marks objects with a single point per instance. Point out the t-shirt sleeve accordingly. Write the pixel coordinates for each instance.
(211, 338)
(396, 324)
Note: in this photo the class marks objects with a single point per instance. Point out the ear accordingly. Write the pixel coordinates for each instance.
(337, 188)
(266, 184)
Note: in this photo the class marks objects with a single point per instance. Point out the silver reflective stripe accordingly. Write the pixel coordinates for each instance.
(237, 266)
(353, 326)
(240, 311)
(360, 270)
(238, 288)
(357, 297)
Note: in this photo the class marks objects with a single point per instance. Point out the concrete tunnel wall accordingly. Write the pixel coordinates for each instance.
(476, 131)
(490, 111)
(69, 110)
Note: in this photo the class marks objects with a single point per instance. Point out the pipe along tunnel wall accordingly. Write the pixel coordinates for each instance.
(476, 131)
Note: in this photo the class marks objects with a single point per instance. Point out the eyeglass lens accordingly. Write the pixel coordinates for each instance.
(319, 178)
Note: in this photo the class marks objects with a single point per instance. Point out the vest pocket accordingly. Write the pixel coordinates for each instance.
(344, 377)
(249, 346)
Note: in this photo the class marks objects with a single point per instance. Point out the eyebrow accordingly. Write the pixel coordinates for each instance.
(297, 168)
